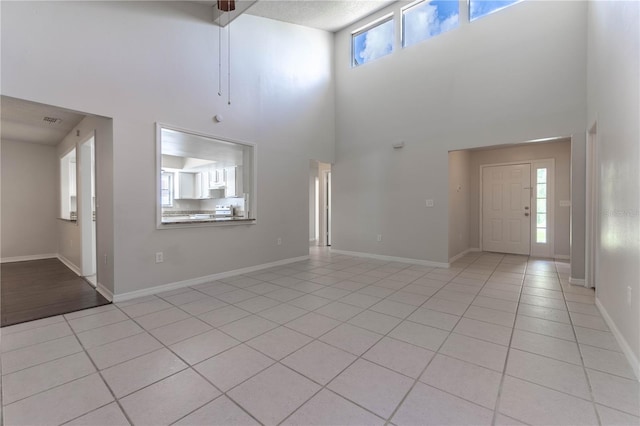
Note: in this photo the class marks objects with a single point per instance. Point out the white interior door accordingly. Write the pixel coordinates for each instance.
(506, 208)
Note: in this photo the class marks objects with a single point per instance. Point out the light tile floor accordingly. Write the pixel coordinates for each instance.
(335, 340)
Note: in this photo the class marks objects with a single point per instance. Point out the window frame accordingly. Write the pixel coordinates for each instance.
(489, 13)
(368, 27)
(403, 25)
(252, 198)
(546, 249)
(67, 188)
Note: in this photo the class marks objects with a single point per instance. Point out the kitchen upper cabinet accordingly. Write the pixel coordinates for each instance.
(216, 178)
(185, 186)
(192, 186)
(234, 182)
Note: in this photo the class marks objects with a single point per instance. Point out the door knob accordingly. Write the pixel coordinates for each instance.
(526, 214)
(526, 208)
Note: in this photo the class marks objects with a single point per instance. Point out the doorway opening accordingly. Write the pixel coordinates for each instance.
(512, 199)
(49, 233)
(319, 203)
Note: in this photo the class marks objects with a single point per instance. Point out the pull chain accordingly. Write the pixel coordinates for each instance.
(219, 60)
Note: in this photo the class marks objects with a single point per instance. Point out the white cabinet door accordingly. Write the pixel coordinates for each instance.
(186, 186)
(230, 175)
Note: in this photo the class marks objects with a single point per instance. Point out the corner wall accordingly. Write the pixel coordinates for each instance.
(614, 104)
(459, 199)
(68, 233)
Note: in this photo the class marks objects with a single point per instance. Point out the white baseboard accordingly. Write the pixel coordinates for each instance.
(562, 257)
(392, 258)
(624, 345)
(26, 258)
(576, 281)
(105, 292)
(69, 264)
(116, 298)
(463, 253)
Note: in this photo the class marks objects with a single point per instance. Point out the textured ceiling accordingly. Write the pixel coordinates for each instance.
(328, 15)
(22, 121)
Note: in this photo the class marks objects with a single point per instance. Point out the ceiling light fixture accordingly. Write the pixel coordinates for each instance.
(226, 5)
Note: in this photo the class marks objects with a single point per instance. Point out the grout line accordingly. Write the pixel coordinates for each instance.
(313, 339)
(584, 368)
(101, 377)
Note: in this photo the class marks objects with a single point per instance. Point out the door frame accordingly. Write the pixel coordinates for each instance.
(592, 207)
(327, 207)
(549, 248)
(88, 240)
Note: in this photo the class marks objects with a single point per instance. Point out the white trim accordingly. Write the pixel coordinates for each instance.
(624, 345)
(105, 292)
(562, 257)
(30, 257)
(392, 258)
(202, 280)
(462, 254)
(69, 264)
(576, 281)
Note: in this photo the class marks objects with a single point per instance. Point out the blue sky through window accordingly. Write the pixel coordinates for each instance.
(480, 8)
(428, 19)
(373, 43)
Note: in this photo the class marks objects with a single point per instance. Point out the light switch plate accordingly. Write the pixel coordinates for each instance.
(429, 203)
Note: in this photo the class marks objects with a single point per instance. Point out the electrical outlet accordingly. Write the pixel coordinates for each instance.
(629, 295)
(429, 203)
(379, 237)
(159, 257)
(279, 241)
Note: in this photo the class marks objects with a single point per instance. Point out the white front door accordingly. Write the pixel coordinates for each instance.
(506, 208)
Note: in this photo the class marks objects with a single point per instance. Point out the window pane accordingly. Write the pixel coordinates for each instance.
(480, 8)
(373, 43)
(542, 176)
(541, 206)
(541, 235)
(428, 19)
(542, 190)
(541, 220)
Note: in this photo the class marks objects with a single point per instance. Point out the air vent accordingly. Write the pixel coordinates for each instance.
(52, 120)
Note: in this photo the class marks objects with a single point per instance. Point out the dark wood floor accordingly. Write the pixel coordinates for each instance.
(42, 288)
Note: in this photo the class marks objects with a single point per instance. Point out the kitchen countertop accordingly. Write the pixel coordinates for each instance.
(181, 220)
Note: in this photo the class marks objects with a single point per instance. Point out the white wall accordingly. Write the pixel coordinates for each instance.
(501, 79)
(613, 90)
(29, 204)
(146, 62)
(68, 233)
(560, 152)
(459, 197)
